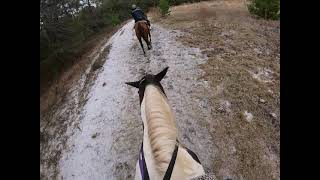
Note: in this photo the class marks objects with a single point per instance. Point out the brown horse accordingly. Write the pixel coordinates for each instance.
(142, 30)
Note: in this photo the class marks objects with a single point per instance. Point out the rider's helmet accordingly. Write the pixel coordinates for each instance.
(133, 7)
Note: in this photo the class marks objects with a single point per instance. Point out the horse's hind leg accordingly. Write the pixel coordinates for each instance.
(150, 40)
(141, 45)
(146, 39)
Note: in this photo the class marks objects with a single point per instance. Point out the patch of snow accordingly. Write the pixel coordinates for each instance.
(258, 51)
(206, 84)
(233, 150)
(268, 52)
(225, 106)
(228, 33)
(262, 74)
(262, 100)
(248, 116)
(274, 115)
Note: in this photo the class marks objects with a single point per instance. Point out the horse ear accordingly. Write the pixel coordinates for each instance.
(134, 84)
(161, 74)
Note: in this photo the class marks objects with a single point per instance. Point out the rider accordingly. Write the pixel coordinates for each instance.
(138, 14)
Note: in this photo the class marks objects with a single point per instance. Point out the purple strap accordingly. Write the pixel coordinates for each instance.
(141, 163)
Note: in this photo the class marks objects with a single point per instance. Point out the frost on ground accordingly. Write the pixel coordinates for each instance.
(225, 106)
(248, 116)
(61, 121)
(262, 74)
(104, 135)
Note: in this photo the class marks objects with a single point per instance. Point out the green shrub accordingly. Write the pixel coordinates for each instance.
(115, 19)
(164, 7)
(267, 9)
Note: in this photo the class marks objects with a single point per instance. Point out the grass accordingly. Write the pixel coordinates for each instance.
(227, 33)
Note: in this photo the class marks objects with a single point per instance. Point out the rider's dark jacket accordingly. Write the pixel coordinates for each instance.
(138, 15)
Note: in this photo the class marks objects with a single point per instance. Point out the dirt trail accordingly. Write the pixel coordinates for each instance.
(104, 134)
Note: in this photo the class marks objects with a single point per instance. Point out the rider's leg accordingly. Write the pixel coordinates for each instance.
(148, 22)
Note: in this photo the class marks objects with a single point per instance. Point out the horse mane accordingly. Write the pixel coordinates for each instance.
(161, 124)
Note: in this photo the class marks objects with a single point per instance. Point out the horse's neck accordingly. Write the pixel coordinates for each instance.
(159, 138)
(160, 131)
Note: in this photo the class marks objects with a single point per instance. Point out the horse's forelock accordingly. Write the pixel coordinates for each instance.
(148, 80)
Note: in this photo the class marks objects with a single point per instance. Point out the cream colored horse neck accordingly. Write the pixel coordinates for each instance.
(159, 139)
